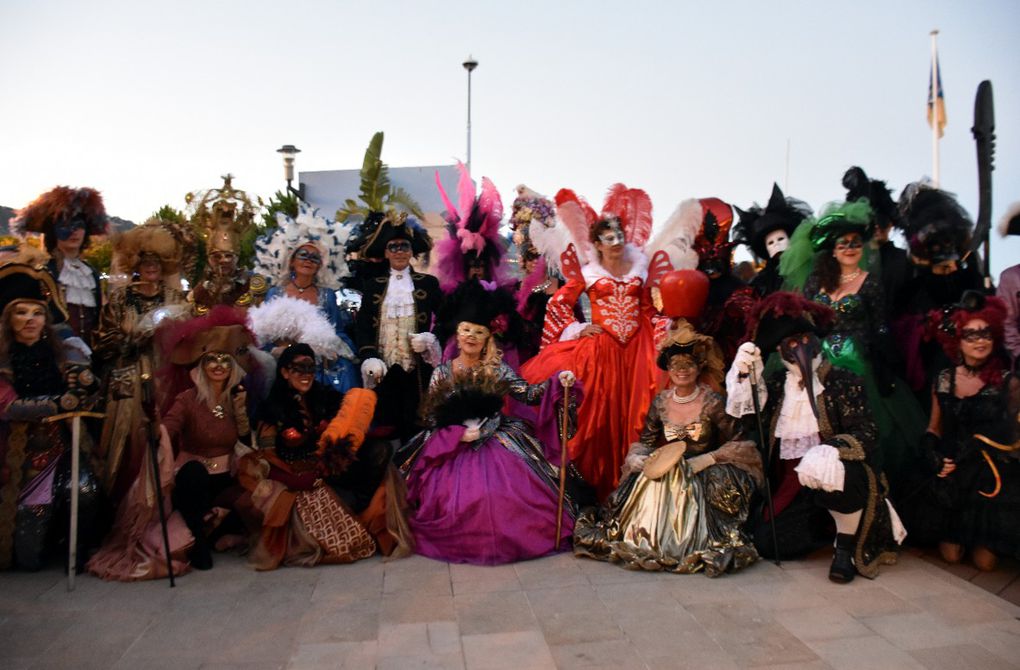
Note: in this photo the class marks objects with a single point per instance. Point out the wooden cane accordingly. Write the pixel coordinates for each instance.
(563, 467)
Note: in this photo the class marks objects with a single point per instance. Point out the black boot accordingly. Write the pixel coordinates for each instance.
(842, 569)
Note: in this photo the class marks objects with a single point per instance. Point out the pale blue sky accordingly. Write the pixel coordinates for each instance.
(148, 100)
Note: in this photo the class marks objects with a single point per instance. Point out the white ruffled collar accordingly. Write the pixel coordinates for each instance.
(594, 271)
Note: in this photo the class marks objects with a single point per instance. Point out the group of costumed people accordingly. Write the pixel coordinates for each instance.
(603, 389)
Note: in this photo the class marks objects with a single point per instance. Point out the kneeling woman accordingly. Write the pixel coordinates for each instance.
(318, 483)
(687, 484)
(482, 487)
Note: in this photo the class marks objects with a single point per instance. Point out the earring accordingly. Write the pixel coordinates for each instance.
(293, 275)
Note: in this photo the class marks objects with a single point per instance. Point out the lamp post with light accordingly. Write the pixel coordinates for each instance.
(470, 64)
(290, 152)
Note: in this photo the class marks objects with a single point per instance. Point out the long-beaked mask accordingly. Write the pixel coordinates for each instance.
(800, 352)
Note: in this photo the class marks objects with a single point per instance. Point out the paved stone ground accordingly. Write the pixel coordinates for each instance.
(555, 612)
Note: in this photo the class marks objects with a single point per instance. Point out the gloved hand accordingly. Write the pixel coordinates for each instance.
(748, 357)
(634, 462)
(427, 345)
(372, 372)
(473, 431)
(567, 378)
(700, 462)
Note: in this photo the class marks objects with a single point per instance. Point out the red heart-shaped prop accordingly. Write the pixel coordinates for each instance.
(684, 293)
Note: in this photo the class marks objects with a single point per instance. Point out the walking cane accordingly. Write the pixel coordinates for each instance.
(563, 466)
(149, 406)
(72, 535)
(766, 449)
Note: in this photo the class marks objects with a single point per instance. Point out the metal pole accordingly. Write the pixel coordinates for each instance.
(72, 539)
(469, 124)
(934, 110)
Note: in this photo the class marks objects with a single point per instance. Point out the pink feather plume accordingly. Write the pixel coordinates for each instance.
(465, 193)
(451, 211)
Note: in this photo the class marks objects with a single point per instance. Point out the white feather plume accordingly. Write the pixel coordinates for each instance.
(676, 235)
(285, 319)
(273, 250)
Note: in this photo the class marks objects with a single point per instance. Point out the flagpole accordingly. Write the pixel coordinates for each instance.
(934, 109)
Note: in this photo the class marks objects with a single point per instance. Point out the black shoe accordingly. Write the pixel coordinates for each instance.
(842, 569)
(200, 556)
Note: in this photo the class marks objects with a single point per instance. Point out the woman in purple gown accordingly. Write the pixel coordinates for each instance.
(482, 486)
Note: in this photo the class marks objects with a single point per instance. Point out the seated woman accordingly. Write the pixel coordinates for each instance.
(482, 486)
(971, 446)
(41, 375)
(688, 482)
(319, 484)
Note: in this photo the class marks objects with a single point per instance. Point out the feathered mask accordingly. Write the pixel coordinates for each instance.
(937, 227)
(59, 212)
(474, 232)
(273, 251)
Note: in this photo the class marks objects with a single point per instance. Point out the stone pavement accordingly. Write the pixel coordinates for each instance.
(555, 612)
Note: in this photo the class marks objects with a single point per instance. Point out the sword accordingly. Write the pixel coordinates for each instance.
(984, 138)
(72, 535)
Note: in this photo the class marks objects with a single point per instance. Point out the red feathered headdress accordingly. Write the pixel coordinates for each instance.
(783, 314)
(61, 205)
(945, 326)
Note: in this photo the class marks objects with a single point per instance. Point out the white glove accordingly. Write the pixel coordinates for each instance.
(634, 463)
(700, 462)
(372, 372)
(820, 468)
(473, 430)
(567, 378)
(748, 356)
(427, 345)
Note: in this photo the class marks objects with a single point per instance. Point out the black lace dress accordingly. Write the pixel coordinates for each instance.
(979, 503)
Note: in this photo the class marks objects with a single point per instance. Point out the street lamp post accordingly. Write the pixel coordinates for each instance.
(470, 64)
(290, 152)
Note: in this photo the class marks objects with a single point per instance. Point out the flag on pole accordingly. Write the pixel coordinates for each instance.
(936, 109)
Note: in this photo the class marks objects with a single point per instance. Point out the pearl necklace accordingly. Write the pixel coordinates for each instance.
(845, 279)
(686, 399)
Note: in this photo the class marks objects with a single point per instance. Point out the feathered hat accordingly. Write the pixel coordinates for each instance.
(60, 211)
(946, 325)
(26, 283)
(782, 314)
(682, 338)
(473, 232)
(840, 218)
(712, 241)
(223, 329)
(286, 319)
(484, 304)
(531, 212)
(273, 251)
(756, 223)
(379, 228)
(170, 243)
(1009, 224)
(883, 208)
(937, 227)
(221, 216)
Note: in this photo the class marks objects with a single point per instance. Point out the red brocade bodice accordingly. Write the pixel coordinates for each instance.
(616, 306)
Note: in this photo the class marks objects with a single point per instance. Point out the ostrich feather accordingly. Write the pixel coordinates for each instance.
(274, 250)
(465, 193)
(578, 217)
(634, 209)
(677, 233)
(287, 319)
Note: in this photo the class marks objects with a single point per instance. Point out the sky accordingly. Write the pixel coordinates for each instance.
(149, 100)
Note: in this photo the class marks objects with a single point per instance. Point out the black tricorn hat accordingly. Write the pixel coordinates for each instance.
(382, 228)
(20, 282)
(781, 213)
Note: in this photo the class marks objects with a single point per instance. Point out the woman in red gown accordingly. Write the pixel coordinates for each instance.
(614, 354)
